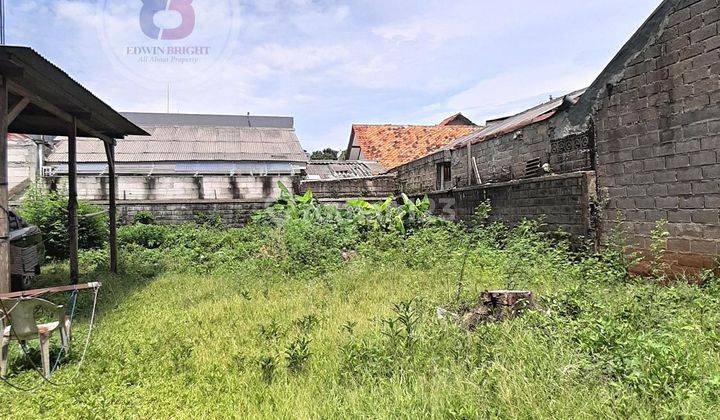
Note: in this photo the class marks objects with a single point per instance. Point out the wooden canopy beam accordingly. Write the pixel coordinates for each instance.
(17, 109)
(10, 70)
(18, 90)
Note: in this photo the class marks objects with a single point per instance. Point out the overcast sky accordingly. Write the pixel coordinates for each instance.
(328, 63)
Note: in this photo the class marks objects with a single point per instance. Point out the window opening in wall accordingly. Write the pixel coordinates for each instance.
(444, 176)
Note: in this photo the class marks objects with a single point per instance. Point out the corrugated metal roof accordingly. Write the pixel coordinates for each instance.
(248, 121)
(202, 142)
(342, 169)
(44, 79)
(518, 121)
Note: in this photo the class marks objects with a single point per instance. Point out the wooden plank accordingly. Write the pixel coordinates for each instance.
(50, 290)
(72, 202)
(110, 152)
(4, 219)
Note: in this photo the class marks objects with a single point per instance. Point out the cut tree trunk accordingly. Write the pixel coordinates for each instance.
(497, 306)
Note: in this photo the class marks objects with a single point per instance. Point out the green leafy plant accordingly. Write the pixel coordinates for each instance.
(268, 368)
(402, 327)
(144, 217)
(209, 219)
(297, 354)
(48, 211)
(307, 323)
(658, 248)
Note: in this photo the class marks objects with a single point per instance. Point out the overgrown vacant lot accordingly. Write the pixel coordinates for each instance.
(310, 312)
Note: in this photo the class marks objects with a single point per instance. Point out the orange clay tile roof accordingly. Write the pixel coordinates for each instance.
(395, 145)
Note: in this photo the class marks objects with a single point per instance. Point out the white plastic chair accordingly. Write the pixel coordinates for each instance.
(20, 324)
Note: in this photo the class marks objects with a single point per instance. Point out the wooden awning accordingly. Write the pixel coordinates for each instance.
(36, 97)
(42, 99)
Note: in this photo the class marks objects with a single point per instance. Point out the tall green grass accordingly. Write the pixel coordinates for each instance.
(309, 320)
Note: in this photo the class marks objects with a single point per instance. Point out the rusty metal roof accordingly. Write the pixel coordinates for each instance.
(343, 169)
(206, 140)
(516, 122)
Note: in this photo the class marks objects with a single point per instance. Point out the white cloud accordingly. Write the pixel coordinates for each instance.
(511, 90)
(278, 58)
(331, 64)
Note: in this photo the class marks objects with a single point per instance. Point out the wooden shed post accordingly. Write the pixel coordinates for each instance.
(72, 201)
(4, 204)
(110, 152)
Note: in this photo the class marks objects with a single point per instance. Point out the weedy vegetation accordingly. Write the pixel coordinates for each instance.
(315, 312)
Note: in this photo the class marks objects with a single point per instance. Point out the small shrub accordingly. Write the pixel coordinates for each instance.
(144, 218)
(145, 235)
(271, 331)
(94, 260)
(401, 329)
(307, 323)
(48, 211)
(658, 248)
(268, 366)
(209, 220)
(297, 354)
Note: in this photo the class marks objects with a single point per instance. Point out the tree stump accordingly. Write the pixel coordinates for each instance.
(497, 306)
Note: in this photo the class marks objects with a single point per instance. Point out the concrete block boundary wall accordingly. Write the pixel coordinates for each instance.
(564, 202)
(371, 187)
(232, 213)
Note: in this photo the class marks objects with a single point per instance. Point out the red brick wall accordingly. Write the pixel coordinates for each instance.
(658, 134)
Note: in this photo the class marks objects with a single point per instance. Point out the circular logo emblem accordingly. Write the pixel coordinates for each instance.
(156, 42)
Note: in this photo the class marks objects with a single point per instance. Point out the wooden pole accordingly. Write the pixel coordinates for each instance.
(110, 152)
(4, 204)
(72, 201)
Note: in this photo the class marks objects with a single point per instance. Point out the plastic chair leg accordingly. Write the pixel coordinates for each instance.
(4, 347)
(45, 353)
(65, 335)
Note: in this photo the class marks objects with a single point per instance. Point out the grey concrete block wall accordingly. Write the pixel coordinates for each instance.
(232, 213)
(658, 136)
(180, 187)
(379, 186)
(421, 175)
(182, 199)
(563, 202)
(503, 158)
